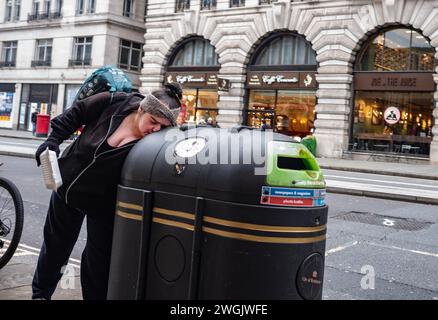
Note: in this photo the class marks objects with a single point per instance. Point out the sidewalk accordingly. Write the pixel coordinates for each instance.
(16, 278)
(19, 134)
(420, 171)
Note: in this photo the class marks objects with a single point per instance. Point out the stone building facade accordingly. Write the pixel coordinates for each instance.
(48, 48)
(336, 30)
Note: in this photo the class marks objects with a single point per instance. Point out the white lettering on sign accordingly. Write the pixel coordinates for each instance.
(392, 115)
(279, 79)
(183, 79)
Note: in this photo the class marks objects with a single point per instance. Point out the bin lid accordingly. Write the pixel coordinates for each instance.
(222, 164)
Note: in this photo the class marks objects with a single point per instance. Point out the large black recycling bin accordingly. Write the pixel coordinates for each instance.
(185, 229)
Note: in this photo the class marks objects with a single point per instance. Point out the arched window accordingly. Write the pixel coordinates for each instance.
(400, 49)
(198, 52)
(286, 50)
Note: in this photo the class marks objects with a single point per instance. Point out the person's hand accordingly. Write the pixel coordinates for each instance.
(52, 145)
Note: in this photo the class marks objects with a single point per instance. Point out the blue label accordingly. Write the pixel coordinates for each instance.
(294, 193)
(319, 202)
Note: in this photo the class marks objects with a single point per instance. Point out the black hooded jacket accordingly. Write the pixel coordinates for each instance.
(91, 174)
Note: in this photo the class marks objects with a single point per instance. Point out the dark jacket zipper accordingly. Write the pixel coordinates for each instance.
(94, 159)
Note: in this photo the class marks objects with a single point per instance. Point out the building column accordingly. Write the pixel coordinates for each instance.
(230, 104)
(333, 113)
(16, 106)
(434, 143)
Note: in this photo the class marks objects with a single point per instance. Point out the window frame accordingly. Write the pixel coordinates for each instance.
(131, 49)
(80, 7)
(11, 47)
(131, 12)
(9, 11)
(46, 46)
(91, 7)
(84, 44)
(182, 5)
(35, 7)
(17, 10)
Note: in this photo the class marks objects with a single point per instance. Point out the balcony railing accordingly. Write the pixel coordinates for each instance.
(7, 64)
(44, 16)
(41, 63)
(75, 63)
(268, 1)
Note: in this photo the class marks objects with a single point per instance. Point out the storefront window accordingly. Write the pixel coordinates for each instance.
(70, 93)
(290, 112)
(38, 97)
(6, 103)
(394, 96)
(201, 104)
(393, 121)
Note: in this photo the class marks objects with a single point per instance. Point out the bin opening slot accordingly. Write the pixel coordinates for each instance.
(289, 163)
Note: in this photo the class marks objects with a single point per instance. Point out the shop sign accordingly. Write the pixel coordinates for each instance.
(382, 81)
(193, 80)
(281, 80)
(223, 84)
(392, 115)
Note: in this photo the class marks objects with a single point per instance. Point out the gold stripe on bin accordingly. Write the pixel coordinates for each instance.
(180, 214)
(130, 206)
(249, 237)
(173, 223)
(131, 216)
(230, 223)
(257, 227)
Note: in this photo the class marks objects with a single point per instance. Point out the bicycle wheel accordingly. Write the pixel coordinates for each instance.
(11, 220)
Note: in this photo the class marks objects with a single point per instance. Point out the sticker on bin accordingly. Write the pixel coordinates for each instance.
(292, 202)
(290, 192)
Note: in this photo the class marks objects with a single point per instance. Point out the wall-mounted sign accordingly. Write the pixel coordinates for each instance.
(383, 81)
(392, 115)
(193, 80)
(281, 80)
(223, 84)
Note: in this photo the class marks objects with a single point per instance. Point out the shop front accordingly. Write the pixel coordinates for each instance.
(285, 102)
(200, 96)
(394, 95)
(194, 65)
(36, 97)
(282, 86)
(7, 92)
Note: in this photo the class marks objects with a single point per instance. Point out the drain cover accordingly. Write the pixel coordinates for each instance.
(386, 221)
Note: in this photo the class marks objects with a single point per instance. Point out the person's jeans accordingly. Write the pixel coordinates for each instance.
(61, 231)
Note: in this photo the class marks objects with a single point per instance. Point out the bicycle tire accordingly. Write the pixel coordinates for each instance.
(19, 214)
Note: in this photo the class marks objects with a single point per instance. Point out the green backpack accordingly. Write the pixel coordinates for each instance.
(106, 78)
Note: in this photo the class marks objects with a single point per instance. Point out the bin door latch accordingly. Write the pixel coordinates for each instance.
(179, 168)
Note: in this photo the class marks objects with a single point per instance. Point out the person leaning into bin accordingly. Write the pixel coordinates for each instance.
(90, 168)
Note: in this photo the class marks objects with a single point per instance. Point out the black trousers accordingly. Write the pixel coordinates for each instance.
(61, 231)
